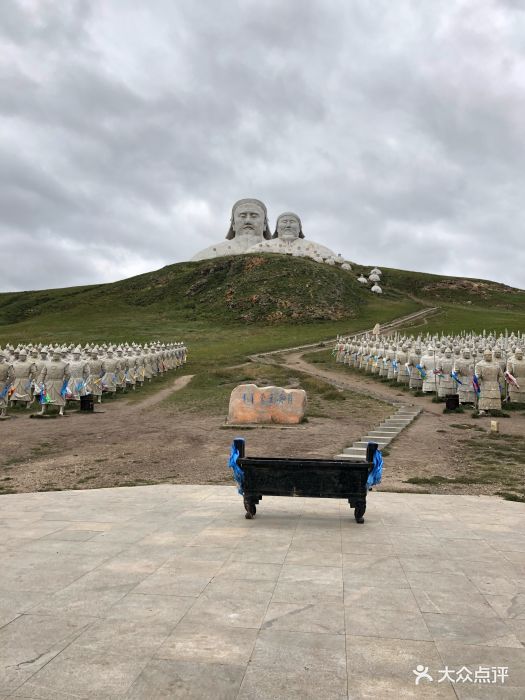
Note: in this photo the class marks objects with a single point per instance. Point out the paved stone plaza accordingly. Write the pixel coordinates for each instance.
(167, 592)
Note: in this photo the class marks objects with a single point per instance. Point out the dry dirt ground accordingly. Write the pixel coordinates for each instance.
(127, 443)
(150, 441)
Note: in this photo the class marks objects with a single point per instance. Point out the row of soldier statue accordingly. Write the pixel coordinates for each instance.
(480, 369)
(54, 374)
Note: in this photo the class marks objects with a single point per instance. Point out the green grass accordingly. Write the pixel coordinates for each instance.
(209, 391)
(454, 318)
(249, 302)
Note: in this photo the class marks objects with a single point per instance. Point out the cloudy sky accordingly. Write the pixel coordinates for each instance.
(396, 130)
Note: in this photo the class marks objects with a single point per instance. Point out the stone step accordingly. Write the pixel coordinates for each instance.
(360, 445)
(383, 434)
(374, 434)
(379, 435)
(353, 454)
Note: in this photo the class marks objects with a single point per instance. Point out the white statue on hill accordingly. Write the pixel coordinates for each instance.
(248, 227)
(250, 233)
(288, 239)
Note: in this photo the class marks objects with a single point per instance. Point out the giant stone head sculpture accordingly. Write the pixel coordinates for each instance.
(249, 218)
(288, 227)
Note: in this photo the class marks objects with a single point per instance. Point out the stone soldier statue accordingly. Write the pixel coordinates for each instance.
(414, 359)
(97, 369)
(428, 363)
(54, 379)
(25, 376)
(79, 368)
(112, 366)
(7, 376)
(403, 372)
(446, 384)
(464, 369)
(491, 380)
(516, 381)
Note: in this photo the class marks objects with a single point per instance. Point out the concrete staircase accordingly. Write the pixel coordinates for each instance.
(383, 434)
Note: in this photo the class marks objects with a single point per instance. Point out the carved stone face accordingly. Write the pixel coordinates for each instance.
(288, 227)
(248, 220)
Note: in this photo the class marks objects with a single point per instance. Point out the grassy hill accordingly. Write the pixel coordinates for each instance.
(232, 306)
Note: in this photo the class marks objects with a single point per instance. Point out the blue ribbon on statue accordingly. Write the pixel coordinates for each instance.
(377, 470)
(456, 378)
(394, 365)
(238, 473)
(421, 371)
(3, 394)
(63, 390)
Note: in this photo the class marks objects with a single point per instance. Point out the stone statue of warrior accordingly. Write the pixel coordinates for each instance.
(490, 379)
(248, 227)
(7, 376)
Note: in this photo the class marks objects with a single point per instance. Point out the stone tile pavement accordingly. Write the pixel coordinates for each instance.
(168, 592)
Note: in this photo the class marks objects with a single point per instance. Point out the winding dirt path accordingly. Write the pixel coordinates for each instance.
(150, 401)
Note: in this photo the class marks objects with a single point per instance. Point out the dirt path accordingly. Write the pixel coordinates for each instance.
(360, 384)
(150, 401)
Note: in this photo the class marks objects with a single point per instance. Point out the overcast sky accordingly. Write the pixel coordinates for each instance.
(396, 130)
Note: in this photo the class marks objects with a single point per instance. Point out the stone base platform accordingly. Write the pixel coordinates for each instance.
(168, 592)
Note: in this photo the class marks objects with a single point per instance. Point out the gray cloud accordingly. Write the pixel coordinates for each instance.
(395, 130)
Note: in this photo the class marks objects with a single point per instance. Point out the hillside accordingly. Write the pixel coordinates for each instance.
(248, 288)
(251, 301)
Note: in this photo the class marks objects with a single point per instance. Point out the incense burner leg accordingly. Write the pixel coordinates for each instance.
(359, 511)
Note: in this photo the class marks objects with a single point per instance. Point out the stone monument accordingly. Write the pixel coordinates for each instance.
(288, 239)
(271, 404)
(248, 227)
